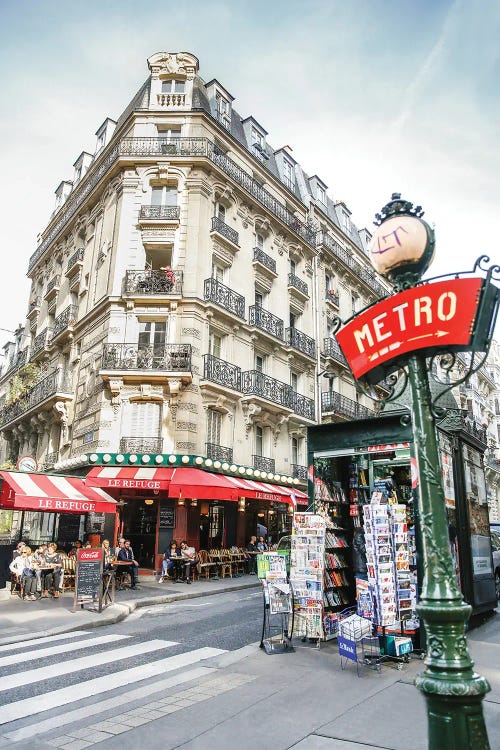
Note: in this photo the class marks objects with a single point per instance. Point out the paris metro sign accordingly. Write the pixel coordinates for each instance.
(457, 314)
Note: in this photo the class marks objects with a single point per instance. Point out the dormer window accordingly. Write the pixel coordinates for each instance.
(257, 138)
(288, 177)
(173, 86)
(321, 195)
(223, 111)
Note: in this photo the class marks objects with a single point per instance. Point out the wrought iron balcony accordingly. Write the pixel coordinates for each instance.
(219, 452)
(259, 256)
(153, 282)
(50, 460)
(53, 287)
(332, 297)
(299, 471)
(333, 350)
(266, 321)
(34, 307)
(52, 384)
(174, 147)
(167, 358)
(221, 372)
(255, 383)
(65, 320)
(363, 274)
(331, 401)
(263, 464)
(75, 262)
(224, 297)
(303, 406)
(141, 445)
(220, 227)
(296, 283)
(160, 213)
(300, 341)
(41, 341)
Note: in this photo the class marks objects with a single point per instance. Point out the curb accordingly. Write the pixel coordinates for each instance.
(108, 617)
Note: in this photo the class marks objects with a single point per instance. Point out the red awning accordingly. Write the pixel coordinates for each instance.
(190, 482)
(47, 492)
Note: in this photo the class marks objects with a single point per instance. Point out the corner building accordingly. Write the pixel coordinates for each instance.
(180, 314)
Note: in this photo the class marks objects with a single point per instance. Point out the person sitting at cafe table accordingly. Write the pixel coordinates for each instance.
(125, 554)
(189, 555)
(109, 555)
(51, 578)
(119, 546)
(252, 551)
(24, 567)
(39, 558)
(77, 545)
(18, 550)
(261, 544)
(167, 563)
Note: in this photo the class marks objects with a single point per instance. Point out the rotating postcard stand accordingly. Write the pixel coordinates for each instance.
(277, 623)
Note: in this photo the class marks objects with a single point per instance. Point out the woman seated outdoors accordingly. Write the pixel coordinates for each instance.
(52, 576)
(109, 554)
(24, 567)
(167, 563)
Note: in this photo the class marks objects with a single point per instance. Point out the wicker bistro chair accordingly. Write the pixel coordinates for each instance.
(205, 565)
(226, 565)
(238, 560)
(68, 573)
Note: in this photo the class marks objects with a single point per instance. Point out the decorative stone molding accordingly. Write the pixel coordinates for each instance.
(222, 256)
(187, 426)
(170, 63)
(251, 412)
(194, 332)
(185, 447)
(115, 386)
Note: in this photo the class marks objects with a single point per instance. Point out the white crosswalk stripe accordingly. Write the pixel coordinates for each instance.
(78, 688)
(43, 640)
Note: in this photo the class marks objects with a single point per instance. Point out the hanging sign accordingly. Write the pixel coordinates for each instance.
(431, 317)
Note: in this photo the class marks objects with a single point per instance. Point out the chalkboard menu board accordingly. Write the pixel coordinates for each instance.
(167, 517)
(88, 587)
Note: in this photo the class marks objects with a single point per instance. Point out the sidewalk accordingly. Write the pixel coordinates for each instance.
(23, 620)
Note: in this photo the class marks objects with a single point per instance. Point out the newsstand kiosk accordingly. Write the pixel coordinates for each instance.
(350, 461)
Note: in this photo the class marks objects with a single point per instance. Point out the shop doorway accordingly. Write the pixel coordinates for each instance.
(138, 521)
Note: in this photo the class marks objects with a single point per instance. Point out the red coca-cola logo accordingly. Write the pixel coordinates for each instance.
(89, 554)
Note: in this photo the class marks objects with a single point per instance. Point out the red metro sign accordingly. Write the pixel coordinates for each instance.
(434, 316)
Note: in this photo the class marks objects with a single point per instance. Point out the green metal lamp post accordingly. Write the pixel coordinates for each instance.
(402, 249)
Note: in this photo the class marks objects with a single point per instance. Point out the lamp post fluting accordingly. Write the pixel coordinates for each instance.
(402, 249)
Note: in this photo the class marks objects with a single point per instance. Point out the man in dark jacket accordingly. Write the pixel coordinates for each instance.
(126, 554)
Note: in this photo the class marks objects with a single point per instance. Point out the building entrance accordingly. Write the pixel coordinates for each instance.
(138, 521)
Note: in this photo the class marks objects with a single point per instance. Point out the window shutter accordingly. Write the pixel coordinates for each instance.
(145, 419)
(214, 423)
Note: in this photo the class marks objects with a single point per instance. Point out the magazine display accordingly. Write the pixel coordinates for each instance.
(306, 573)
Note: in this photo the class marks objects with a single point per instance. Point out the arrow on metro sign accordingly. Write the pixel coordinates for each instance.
(429, 318)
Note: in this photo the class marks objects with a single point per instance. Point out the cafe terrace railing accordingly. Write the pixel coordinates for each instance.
(174, 147)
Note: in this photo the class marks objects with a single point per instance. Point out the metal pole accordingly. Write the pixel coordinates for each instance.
(452, 690)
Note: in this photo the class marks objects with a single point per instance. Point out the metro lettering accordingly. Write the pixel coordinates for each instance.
(364, 333)
(452, 298)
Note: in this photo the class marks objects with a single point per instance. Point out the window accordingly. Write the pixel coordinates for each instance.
(223, 112)
(218, 273)
(288, 177)
(152, 335)
(293, 267)
(344, 221)
(100, 142)
(259, 299)
(294, 381)
(295, 451)
(214, 424)
(259, 241)
(354, 303)
(259, 363)
(321, 195)
(169, 134)
(221, 212)
(215, 344)
(173, 87)
(145, 419)
(164, 196)
(257, 138)
(293, 320)
(259, 441)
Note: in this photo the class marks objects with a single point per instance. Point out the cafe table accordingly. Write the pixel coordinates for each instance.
(179, 563)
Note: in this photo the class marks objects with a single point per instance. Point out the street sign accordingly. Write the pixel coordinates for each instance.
(431, 317)
(27, 463)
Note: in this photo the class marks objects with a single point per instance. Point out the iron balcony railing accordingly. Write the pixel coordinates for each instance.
(55, 382)
(219, 452)
(255, 383)
(141, 445)
(166, 357)
(344, 406)
(225, 230)
(332, 349)
(332, 297)
(174, 147)
(54, 282)
(34, 305)
(303, 406)
(64, 320)
(297, 283)
(225, 297)
(160, 213)
(365, 275)
(263, 464)
(266, 321)
(300, 341)
(41, 341)
(153, 282)
(259, 256)
(299, 471)
(221, 372)
(77, 257)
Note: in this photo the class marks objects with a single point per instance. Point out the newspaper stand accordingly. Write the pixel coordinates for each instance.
(277, 622)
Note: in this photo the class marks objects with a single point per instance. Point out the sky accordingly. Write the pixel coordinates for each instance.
(373, 96)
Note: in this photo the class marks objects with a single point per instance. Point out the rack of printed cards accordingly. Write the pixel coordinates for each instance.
(307, 558)
(277, 623)
(389, 596)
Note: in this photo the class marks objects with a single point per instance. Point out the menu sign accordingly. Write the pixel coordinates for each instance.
(167, 517)
(88, 585)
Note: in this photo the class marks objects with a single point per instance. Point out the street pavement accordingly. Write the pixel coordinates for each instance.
(138, 682)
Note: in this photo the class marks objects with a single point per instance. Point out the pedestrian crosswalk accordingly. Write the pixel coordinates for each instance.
(41, 676)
